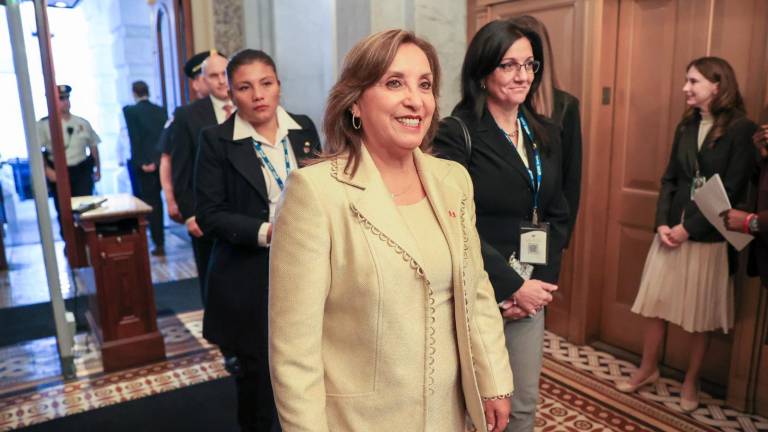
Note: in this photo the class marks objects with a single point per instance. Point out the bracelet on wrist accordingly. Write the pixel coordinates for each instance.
(745, 225)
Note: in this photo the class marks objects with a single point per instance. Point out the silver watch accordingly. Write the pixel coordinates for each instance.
(753, 226)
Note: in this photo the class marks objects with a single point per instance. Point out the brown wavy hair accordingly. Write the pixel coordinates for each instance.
(726, 105)
(364, 65)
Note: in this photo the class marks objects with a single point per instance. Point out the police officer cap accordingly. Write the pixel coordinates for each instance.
(194, 65)
(64, 91)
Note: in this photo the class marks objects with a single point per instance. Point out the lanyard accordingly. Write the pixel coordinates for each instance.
(535, 183)
(271, 167)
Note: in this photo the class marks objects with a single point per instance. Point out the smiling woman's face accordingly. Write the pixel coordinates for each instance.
(396, 111)
(698, 90)
(510, 88)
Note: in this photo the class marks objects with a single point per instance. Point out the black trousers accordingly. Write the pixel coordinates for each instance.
(80, 184)
(256, 411)
(132, 177)
(202, 247)
(149, 192)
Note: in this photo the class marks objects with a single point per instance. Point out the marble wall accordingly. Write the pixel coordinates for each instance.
(444, 24)
(228, 21)
(304, 55)
(259, 28)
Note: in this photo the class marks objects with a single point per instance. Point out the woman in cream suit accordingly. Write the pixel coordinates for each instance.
(381, 317)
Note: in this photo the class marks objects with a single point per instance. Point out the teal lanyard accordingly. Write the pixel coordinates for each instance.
(535, 183)
(271, 167)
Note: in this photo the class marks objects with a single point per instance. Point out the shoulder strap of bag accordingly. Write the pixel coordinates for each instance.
(465, 132)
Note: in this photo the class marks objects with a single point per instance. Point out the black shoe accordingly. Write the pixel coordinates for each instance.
(158, 251)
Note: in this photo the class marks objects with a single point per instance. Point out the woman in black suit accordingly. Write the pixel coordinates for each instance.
(563, 109)
(514, 157)
(241, 169)
(686, 277)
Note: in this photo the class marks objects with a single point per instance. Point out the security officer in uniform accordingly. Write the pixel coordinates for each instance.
(80, 144)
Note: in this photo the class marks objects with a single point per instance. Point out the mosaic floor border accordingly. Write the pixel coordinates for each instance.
(597, 371)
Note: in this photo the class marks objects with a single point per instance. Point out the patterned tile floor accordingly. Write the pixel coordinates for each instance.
(600, 371)
(31, 389)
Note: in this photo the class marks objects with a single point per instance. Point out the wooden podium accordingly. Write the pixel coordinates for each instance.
(121, 305)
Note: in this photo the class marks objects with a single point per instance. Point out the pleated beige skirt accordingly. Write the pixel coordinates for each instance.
(689, 286)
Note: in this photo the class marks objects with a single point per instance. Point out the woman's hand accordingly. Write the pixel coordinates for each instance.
(678, 234)
(512, 312)
(497, 413)
(531, 297)
(734, 219)
(664, 236)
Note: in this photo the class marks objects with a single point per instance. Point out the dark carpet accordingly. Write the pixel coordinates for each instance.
(210, 406)
(29, 322)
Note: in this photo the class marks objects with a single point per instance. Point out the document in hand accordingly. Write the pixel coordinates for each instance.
(713, 200)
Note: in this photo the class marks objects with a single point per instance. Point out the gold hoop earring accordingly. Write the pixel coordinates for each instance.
(359, 123)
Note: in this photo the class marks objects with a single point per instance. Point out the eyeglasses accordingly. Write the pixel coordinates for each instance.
(512, 66)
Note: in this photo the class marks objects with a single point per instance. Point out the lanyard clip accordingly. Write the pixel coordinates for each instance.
(535, 216)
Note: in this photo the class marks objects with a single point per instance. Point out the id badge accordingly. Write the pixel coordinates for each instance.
(533, 243)
(696, 184)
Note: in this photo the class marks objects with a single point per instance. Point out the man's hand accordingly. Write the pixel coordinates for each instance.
(497, 413)
(760, 138)
(734, 219)
(193, 228)
(148, 168)
(173, 211)
(97, 174)
(50, 174)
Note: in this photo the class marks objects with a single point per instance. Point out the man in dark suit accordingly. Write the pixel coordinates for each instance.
(188, 121)
(145, 122)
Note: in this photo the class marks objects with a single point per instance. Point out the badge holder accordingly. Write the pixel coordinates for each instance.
(698, 180)
(697, 183)
(534, 238)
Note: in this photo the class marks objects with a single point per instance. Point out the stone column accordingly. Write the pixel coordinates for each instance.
(305, 55)
(441, 22)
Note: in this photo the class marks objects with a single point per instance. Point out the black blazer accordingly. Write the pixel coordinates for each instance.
(188, 121)
(732, 156)
(232, 203)
(504, 196)
(565, 114)
(145, 122)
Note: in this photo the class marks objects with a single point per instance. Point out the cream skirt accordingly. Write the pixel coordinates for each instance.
(688, 286)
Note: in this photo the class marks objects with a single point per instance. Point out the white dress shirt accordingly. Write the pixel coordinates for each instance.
(218, 108)
(276, 154)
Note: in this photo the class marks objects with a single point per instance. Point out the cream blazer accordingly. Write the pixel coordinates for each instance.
(345, 282)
